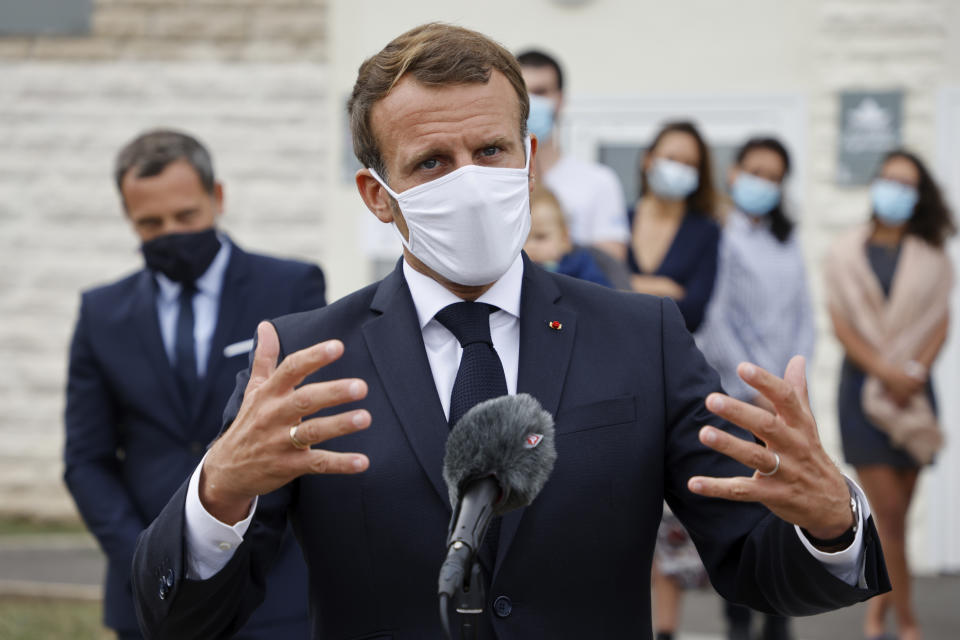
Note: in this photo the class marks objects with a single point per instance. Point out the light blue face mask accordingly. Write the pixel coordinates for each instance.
(754, 195)
(541, 119)
(893, 202)
(672, 180)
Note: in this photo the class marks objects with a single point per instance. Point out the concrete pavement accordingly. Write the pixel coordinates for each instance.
(71, 566)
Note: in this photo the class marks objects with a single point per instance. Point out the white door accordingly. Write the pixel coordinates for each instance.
(942, 488)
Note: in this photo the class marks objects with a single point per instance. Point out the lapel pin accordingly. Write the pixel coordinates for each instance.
(555, 325)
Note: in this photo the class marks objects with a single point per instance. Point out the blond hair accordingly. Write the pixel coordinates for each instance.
(435, 54)
(543, 195)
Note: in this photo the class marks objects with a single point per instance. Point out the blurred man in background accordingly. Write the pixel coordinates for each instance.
(590, 193)
(153, 361)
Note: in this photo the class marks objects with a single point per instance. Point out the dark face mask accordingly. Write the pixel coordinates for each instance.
(182, 257)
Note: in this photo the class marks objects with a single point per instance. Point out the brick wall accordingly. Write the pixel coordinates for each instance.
(248, 77)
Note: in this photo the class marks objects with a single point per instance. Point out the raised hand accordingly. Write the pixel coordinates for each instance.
(795, 477)
(261, 451)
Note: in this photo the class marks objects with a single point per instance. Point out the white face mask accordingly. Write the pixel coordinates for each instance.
(672, 180)
(469, 225)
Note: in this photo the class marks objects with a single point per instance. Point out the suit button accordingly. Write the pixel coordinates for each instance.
(168, 579)
(196, 448)
(502, 606)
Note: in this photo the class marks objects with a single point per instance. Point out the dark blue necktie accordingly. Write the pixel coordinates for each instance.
(184, 351)
(480, 376)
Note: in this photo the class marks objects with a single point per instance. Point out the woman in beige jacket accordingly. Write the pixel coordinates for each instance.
(888, 287)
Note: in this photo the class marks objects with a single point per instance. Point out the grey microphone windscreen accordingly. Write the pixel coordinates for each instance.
(510, 438)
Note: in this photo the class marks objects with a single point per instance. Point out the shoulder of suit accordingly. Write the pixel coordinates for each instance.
(348, 312)
(263, 261)
(594, 299)
(118, 288)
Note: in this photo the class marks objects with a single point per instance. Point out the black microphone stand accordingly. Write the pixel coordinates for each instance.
(469, 604)
(468, 597)
(461, 578)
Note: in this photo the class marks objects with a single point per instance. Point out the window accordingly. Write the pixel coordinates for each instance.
(45, 17)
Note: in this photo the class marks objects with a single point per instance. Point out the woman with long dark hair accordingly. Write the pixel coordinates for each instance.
(674, 235)
(760, 311)
(888, 285)
(673, 253)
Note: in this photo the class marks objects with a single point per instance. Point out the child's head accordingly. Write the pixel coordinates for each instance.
(549, 239)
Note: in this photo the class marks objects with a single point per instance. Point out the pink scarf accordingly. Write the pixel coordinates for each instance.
(897, 327)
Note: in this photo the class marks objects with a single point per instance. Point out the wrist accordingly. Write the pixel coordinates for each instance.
(887, 372)
(837, 537)
(226, 506)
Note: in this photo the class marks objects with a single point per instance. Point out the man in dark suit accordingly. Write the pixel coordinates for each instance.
(154, 358)
(438, 120)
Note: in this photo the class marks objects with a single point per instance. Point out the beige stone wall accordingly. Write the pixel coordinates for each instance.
(248, 77)
(226, 30)
(882, 44)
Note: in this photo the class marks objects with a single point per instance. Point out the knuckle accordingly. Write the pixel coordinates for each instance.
(759, 462)
(343, 425)
(305, 432)
(258, 415)
(739, 490)
(320, 464)
(768, 424)
(301, 400)
(295, 362)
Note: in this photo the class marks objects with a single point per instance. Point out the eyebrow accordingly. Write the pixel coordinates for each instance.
(420, 156)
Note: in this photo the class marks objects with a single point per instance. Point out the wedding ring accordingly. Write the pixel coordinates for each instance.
(776, 467)
(295, 441)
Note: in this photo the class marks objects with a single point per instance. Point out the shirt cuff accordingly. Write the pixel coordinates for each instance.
(209, 543)
(848, 564)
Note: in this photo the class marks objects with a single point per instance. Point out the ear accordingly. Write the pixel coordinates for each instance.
(533, 157)
(647, 160)
(218, 198)
(374, 196)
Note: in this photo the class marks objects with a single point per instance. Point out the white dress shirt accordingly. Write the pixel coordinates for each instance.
(206, 305)
(444, 350)
(210, 543)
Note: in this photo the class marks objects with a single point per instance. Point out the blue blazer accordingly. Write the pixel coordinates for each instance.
(130, 441)
(690, 261)
(626, 385)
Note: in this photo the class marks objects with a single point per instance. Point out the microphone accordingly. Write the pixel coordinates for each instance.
(498, 457)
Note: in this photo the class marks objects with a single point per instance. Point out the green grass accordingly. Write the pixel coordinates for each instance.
(16, 526)
(51, 620)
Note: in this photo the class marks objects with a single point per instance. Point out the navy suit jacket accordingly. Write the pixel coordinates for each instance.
(626, 385)
(130, 441)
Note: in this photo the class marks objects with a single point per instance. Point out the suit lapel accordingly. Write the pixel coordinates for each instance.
(233, 299)
(148, 331)
(395, 342)
(544, 358)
